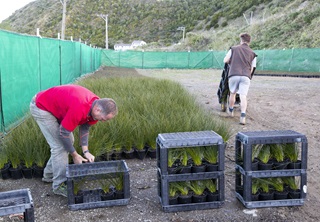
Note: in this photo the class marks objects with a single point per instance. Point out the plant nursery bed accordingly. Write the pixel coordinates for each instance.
(274, 103)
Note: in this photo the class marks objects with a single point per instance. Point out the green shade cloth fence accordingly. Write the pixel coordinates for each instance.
(291, 60)
(29, 64)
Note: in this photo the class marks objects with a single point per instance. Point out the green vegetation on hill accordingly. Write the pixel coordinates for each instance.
(209, 24)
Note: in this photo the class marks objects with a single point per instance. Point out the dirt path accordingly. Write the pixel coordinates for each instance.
(275, 103)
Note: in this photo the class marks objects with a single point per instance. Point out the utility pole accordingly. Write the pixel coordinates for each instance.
(246, 19)
(64, 10)
(105, 17)
(183, 29)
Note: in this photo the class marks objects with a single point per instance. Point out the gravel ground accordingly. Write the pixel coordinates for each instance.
(275, 103)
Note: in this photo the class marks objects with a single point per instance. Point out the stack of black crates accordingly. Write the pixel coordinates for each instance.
(17, 201)
(92, 172)
(184, 140)
(245, 173)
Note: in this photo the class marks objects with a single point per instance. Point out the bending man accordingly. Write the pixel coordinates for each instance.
(58, 111)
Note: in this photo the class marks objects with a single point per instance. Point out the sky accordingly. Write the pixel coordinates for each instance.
(8, 7)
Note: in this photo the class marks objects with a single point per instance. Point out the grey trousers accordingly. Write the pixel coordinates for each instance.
(49, 126)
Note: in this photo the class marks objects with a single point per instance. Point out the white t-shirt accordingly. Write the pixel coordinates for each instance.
(253, 63)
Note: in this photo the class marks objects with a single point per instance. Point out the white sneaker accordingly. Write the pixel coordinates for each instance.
(230, 113)
(243, 120)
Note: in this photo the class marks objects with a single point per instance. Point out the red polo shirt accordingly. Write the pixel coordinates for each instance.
(70, 104)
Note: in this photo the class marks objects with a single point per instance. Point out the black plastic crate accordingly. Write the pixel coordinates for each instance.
(192, 206)
(243, 187)
(17, 201)
(93, 172)
(245, 141)
(270, 203)
(167, 141)
(271, 173)
(163, 190)
(190, 176)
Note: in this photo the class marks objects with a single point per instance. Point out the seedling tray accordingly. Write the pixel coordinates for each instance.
(92, 199)
(95, 171)
(271, 173)
(163, 190)
(192, 206)
(189, 139)
(245, 181)
(270, 203)
(182, 140)
(245, 141)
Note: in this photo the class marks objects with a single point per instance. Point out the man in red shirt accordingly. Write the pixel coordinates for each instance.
(58, 111)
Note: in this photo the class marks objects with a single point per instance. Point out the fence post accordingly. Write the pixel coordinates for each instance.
(39, 68)
(263, 59)
(188, 59)
(2, 126)
(142, 58)
(166, 59)
(60, 62)
(291, 59)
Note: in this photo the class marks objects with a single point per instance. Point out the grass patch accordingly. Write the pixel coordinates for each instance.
(147, 107)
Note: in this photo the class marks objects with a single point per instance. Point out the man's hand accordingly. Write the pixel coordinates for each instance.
(78, 159)
(89, 157)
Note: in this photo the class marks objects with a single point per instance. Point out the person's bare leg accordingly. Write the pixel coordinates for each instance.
(243, 103)
(243, 107)
(232, 100)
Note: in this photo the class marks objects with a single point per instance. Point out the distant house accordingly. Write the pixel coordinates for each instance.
(122, 47)
(133, 45)
(138, 43)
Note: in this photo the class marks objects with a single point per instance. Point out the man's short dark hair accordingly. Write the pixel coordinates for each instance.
(107, 106)
(245, 37)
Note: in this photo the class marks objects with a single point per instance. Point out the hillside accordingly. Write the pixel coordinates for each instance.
(209, 24)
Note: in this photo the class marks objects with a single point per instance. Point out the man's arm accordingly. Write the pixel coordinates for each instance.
(84, 137)
(253, 65)
(67, 144)
(227, 57)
